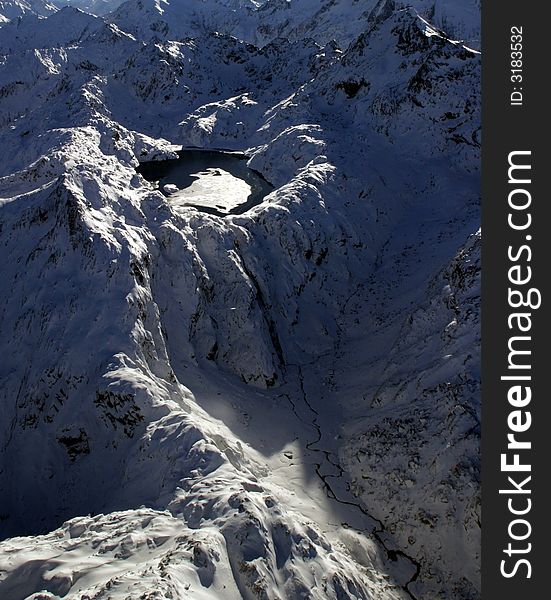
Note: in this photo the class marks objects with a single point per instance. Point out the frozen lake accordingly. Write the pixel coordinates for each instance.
(213, 181)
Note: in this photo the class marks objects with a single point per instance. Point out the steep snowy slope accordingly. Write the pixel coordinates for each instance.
(170, 19)
(343, 20)
(66, 27)
(12, 9)
(280, 404)
(94, 7)
(425, 427)
(262, 22)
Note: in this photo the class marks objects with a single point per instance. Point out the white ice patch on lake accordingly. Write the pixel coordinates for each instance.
(170, 188)
(214, 189)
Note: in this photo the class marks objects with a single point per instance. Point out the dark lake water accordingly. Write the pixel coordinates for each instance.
(212, 181)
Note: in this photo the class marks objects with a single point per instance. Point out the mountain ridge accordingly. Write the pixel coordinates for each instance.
(241, 378)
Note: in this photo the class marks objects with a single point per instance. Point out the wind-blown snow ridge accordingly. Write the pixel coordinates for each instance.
(278, 404)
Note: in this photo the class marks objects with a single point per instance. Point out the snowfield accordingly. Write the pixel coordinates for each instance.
(279, 404)
(209, 188)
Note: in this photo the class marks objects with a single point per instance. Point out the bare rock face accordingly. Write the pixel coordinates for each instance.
(277, 404)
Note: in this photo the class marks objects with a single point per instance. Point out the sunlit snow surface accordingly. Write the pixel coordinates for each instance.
(291, 391)
(215, 189)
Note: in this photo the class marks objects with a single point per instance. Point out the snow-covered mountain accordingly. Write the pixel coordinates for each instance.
(12, 9)
(344, 20)
(94, 7)
(261, 22)
(278, 404)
